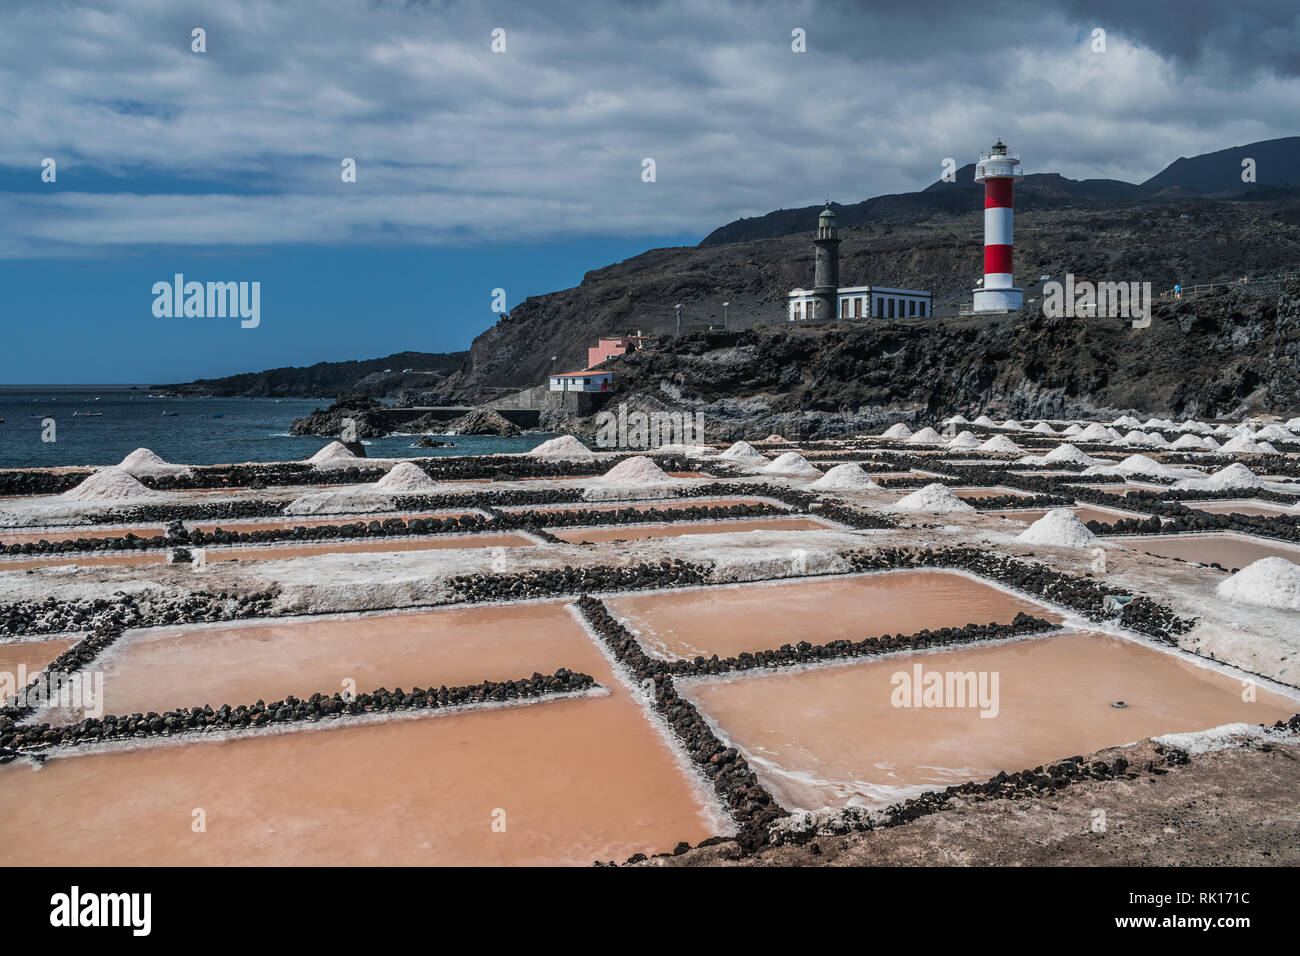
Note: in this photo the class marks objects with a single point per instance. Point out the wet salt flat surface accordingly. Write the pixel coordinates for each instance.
(165, 668)
(34, 655)
(1227, 550)
(728, 620)
(577, 779)
(1085, 514)
(637, 532)
(1244, 507)
(828, 736)
(281, 551)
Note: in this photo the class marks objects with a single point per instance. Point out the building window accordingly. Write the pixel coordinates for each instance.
(857, 308)
(911, 307)
(891, 308)
(923, 307)
(844, 308)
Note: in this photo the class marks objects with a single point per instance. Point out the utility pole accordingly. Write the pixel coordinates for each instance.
(724, 314)
(678, 307)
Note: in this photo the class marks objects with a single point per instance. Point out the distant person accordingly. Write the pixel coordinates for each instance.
(1178, 291)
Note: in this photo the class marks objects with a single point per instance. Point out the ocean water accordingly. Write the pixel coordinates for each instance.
(204, 431)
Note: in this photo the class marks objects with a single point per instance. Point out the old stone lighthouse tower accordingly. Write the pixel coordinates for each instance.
(826, 277)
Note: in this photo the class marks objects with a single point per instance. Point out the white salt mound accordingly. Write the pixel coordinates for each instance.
(846, 477)
(964, 440)
(1268, 582)
(142, 461)
(897, 432)
(776, 440)
(1059, 528)
(985, 422)
(1141, 439)
(1274, 433)
(565, 446)
(1235, 475)
(958, 419)
(791, 463)
(934, 498)
(1142, 465)
(1293, 425)
(107, 484)
(334, 451)
(1245, 445)
(1014, 425)
(1002, 445)
(926, 436)
(1043, 429)
(1094, 432)
(639, 470)
(1188, 441)
(743, 451)
(406, 476)
(141, 458)
(1073, 430)
(1067, 454)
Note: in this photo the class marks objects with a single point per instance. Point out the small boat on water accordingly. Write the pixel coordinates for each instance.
(168, 414)
(89, 414)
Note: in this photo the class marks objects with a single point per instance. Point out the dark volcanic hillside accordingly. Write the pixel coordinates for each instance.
(375, 377)
(1227, 354)
(1277, 161)
(1218, 241)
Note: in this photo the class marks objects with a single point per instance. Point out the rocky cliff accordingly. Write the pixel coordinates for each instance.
(1232, 353)
(1163, 243)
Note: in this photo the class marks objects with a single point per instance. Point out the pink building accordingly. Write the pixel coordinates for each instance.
(607, 348)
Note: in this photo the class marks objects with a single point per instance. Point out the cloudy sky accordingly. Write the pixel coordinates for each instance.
(522, 169)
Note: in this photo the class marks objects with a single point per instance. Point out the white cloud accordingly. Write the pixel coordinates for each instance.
(454, 142)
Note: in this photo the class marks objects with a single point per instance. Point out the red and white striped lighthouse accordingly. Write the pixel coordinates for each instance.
(997, 171)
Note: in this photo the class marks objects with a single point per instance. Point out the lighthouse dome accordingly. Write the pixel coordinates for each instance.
(827, 215)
